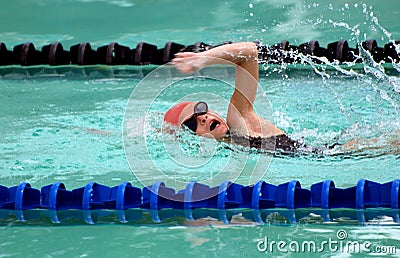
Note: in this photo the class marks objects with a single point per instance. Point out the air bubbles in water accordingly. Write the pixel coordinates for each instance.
(364, 8)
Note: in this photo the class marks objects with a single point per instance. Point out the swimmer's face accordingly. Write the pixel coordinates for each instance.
(204, 122)
(211, 125)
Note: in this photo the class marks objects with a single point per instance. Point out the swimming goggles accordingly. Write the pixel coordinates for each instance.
(200, 109)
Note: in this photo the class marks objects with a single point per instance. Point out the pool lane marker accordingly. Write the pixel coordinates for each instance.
(200, 201)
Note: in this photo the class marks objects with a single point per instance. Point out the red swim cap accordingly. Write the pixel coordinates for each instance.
(172, 115)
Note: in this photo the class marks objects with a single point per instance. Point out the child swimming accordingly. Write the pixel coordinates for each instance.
(242, 125)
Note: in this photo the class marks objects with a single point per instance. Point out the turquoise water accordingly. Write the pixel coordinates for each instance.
(66, 124)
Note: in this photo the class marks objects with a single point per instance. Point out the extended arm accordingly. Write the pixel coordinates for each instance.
(241, 116)
(243, 54)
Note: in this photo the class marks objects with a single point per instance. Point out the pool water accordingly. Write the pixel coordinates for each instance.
(77, 125)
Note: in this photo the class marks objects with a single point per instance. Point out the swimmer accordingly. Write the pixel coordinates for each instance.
(242, 125)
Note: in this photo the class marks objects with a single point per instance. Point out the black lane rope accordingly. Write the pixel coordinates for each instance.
(144, 53)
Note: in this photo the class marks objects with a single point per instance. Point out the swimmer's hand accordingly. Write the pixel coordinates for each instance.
(188, 62)
(243, 54)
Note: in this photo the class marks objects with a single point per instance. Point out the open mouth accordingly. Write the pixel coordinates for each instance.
(214, 124)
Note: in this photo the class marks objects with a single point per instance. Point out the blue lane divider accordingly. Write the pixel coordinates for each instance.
(198, 200)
